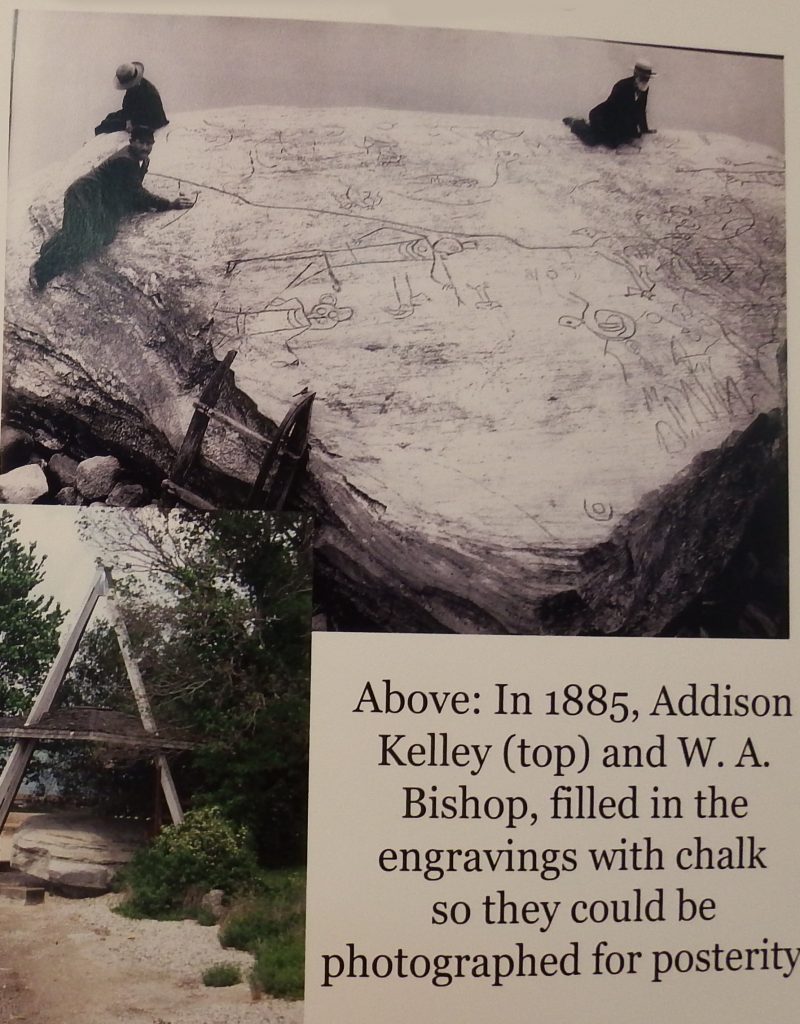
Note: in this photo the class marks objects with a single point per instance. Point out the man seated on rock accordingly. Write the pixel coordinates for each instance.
(141, 103)
(96, 203)
(622, 117)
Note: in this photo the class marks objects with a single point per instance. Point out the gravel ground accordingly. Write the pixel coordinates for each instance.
(79, 962)
(10, 995)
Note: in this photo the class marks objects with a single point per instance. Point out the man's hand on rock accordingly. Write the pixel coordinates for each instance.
(182, 203)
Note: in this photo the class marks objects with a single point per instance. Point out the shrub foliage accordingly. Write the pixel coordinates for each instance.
(205, 852)
(222, 975)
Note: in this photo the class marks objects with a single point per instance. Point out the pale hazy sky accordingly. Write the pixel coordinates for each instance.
(71, 557)
(70, 562)
(64, 65)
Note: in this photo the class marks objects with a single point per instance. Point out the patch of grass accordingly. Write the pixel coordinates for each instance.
(134, 913)
(280, 966)
(270, 924)
(276, 907)
(205, 917)
(222, 975)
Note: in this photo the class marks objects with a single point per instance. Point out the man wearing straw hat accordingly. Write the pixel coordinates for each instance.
(623, 116)
(141, 104)
(95, 204)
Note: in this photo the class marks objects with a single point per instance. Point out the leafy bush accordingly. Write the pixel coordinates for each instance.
(270, 924)
(279, 966)
(206, 851)
(222, 975)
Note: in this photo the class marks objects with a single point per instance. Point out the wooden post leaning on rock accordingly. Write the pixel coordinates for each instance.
(286, 458)
(283, 463)
(192, 442)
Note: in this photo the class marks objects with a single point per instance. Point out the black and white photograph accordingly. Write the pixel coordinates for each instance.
(154, 702)
(504, 313)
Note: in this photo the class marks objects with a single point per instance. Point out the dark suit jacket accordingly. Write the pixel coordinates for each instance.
(94, 204)
(623, 116)
(107, 193)
(141, 105)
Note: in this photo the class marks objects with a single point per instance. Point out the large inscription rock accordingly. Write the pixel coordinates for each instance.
(513, 339)
(76, 855)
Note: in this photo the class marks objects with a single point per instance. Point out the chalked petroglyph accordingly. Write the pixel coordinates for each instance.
(512, 338)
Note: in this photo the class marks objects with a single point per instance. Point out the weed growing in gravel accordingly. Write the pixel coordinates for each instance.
(270, 924)
(222, 975)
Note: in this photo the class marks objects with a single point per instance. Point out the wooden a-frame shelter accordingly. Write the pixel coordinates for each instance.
(42, 724)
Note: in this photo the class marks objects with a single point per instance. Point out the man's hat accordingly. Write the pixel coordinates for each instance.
(142, 133)
(643, 67)
(129, 74)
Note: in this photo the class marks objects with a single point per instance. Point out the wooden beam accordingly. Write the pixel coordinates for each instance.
(19, 758)
(143, 703)
(229, 421)
(187, 497)
(192, 442)
(112, 739)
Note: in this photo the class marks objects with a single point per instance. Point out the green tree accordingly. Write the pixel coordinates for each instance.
(218, 608)
(110, 781)
(29, 624)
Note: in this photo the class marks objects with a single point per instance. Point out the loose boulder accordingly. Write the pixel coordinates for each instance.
(76, 855)
(213, 903)
(23, 486)
(62, 470)
(68, 496)
(95, 478)
(127, 495)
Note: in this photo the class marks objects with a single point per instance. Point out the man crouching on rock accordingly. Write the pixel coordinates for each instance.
(622, 117)
(96, 203)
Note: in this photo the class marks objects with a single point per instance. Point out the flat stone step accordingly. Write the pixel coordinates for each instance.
(16, 885)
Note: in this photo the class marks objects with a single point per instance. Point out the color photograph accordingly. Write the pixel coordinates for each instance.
(154, 701)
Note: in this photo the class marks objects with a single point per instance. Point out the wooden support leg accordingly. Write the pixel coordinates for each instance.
(18, 761)
(170, 792)
(143, 704)
(12, 776)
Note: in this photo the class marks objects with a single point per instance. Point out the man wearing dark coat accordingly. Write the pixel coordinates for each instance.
(622, 117)
(141, 104)
(96, 203)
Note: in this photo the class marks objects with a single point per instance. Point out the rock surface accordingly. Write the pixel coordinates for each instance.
(127, 495)
(23, 486)
(213, 902)
(512, 339)
(95, 478)
(62, 470)
(16, 447)
(75, 854)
